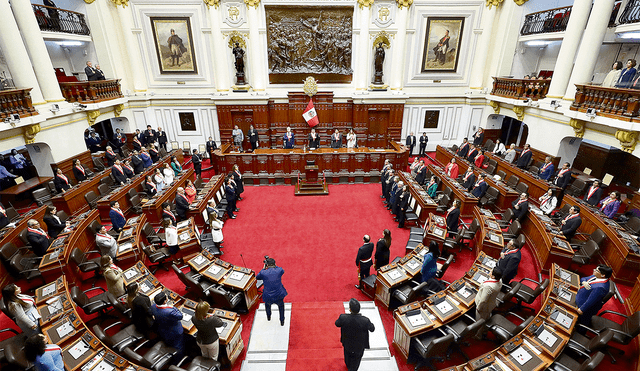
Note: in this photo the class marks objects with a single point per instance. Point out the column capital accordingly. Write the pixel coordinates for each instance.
(30, 133)
(520, 2)
(579, 127)
(628, 139)
(124, 3)
(210, 3)
(519, 111)
(365, 3)
(92, 116)
(495, 105)
(495, 3)
(252, 3)
(403, 3)
(117, 109)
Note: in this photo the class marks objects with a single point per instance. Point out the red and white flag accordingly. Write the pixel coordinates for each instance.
(310, 115)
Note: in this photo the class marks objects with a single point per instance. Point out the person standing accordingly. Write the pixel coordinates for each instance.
(211, 146)
(364, 259)
(254, 138)
(314, 139)
(55, 226)
(289, 139)
(138, 140)
(478, 137)
(480, 188)
(421, 173)
(118, 221)
(22, 309)
(168, 321)
(510, 155)
(207, 336)
(525, 157)
(498, 149)
(548, 202)
(273, 291)
(411, 143)
(562, 180)
(509, 261)
(182, 203)
(569, 225)
(453, 217)
(136, 161)
(468, 179)
(61, 181)
(230, 194)
(594, 194)
(140, 304)
(424, 139)
(90, 72)
(106, 244)
(464, 148)
(382, 249)
(79, 171)
(162, 138)
(403, 203)
(354, 334)
(197, 163)
(113, 276)
(593, 289)
(547, 170)
(38, 239)
(336, 139)
(452, 169)
(238, 138)
(520, 207)
(150, 136)
(610, 205)
(351, 139)
(486, 298)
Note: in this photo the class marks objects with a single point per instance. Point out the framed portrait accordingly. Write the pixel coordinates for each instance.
(187, 121)
(431, 119)
(174, 45)
(442, 44)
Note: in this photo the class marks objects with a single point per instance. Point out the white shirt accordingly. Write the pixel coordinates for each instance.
(171, 236)
(499, 148)
(159, 181)
(351, 140)
(216, 230)
(168, 176)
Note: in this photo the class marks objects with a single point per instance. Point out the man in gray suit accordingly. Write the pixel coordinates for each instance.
(354, 330)
(486, 298)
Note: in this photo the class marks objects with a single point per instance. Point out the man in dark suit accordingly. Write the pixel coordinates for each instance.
(211, 146)
(99, 73)
(118, 173)
(354, 335)
(570, 224)
(520, 207)
(336, 139)
(363, 259)
(478, 137)
(4, 219)
(594, 194)
(136, 161)
(128, 170)
(182, 203)
(525, 157)
(167, 214)
(150, 136)
(197, 163)
(546, 171)
(424, 139)
(509, 262)
(110, 156)
(469, 179)
(90, 72)
(480, 188)
(464, 148)
(453, 216)
(254, 139)
(119, 140)
(138, 140)
(401, 209)
(562, 180)
(473, 152)
(38, 238)
(162, 138)
(421, 173)
(118, 221)
(411, 143)
(593, 289)
(314, 139)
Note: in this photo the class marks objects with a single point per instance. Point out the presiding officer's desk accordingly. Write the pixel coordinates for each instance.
(271, 166)
(153, 206)
(617, 250)
(420, 201)
(468, 201)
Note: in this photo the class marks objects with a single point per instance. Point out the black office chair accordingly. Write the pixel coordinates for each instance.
(408, 292)
(504, 329)
(501, 174)
(12, 213)
(513, 231)
(566, 362)
(197, 364)
(443, 204)
(195, 284)
(586, 253)
(224, 298)
(622, 333)
(15, 340)
(92, 199)
(156, 255)
(431, 346)
(462, 329)
(527, 294)
(8, 250)
(42, 196)
(151, 235)
(489, 198)
(584, 344)
(632, 225)
(157, 358)
(101, 303)
(576, 188)
(86, 264)
(522, 188)
(25, 265)
(508, 292)
(98, 164)
(598, 236)
(124, 338)
(505, 218)
(136, 204)
(513, 181)
(368, 286)
(103, 189)
(442, 269)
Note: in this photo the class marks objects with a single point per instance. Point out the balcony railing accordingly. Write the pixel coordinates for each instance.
(552, 20)
(16, 101)
(91, 91)
(60, 20)
(621, 104)
(520, 88)
(631, 13)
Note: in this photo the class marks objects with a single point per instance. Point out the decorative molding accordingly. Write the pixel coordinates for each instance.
(381, 37)
(117, 109)
(253, 3)
(496, 106)
(92, 116)
(400, 3)
(519, 111)
(310, 86)
(366, 3)
(234, 14)
(496, 3)
(124, 3)
(89, 1)
(628, 139)
(30, 133)
(579, 127)
(384, 14)
(520, 2)
(236, 37)
(210, 3)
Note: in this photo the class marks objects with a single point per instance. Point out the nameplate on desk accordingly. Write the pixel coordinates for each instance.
(130, 273)
(521, 355)
(185, 236)
(183, 224)
(235, 275)
(64, 329)
(214, 269)
(417, 320)
(562, 319)
(464, 292)
(49, 290)
(200, 260)
(78, 349)
(54, 305)
(444, 307)
(547, 338)
(125, 247)
(413, 264)
(394, 274)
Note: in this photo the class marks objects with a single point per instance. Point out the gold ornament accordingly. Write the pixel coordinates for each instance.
(628, 139)
(253, 3)
(211, 3)
(382, 37)
(124, 3)
(519, 111)
(495, 105)
(310, 86)
(383, 14)
(89, 1)
(236, 37)
(30, 133)
(578, 126)
(117, 110)
(402, 3)
(495, 3)
(366, 3)
(92, 116)
(520, 2)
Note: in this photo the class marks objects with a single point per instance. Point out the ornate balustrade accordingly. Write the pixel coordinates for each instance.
(91, 91)
(60, 20)
(520, 88)
(16, 101)
(552, 20)
(621, 104)
(631, 13)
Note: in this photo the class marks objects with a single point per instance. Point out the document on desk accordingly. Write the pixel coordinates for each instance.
(548, 338)
(564, 320)
(184, 236)
(144, 287)
(417, 320)
(502, 365)
(55, 306)
(521, 355)
(565, 276)
(413, 264)
(481, 278)
(104, 366)
(49, 289)
(64, 329)
(186, 317)
(130, 273)
(199, 260)
(394, 274)
(491, 263)
(444, 307)
(214, 269)
(125, 247)
(236, 275)
(183, 224)
(565, 295)
(464, 292)
(79, 349)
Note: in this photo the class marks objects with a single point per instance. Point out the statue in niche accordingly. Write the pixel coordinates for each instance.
(238, 53)
(378, 64)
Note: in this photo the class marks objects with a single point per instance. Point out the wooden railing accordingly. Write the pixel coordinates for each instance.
(621, 104)
(631, 13)
(16, 101)
(60, 20)
(520, 88)
(91, 91)
(552, 20)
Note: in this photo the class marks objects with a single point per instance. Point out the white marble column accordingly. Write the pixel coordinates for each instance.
(400, 47)
(133, 49)
(16, 54)
(256, 54)
(220, 64)
(569, 47)
(590, 46)
(364, 51)
(482, 50)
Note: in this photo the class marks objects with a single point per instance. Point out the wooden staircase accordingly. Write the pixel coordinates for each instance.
(317, 188)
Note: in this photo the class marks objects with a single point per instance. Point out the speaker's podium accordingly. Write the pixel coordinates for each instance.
(312, 184)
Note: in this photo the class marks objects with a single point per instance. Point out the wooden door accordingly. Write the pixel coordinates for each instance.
(378, 124)
(244, 119)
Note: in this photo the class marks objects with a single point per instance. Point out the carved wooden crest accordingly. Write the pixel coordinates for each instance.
(310, 86)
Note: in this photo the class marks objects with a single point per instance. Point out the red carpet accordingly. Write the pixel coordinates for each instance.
(314, 340)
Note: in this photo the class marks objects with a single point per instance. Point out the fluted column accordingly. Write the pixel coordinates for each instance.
(590, 46)
(362, 70)
(482, 50)
(133, 49)
(16, 54)
(220, 64)
(256, 55)
(569, 47)
(397, 65)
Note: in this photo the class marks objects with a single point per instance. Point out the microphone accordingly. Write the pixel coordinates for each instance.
(243, 262)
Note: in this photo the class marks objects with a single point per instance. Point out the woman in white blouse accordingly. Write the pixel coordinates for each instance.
(351, 139)
(499, 148)
(168, 174)
(22, 308)
(158, 178)
(216, 228)
(548, 202)
(171, 236)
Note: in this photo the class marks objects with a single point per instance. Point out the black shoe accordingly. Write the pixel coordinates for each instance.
(233, 217)
(268, 318)
(236, 210)
(282, 323)
(358, 287)
(239, 198)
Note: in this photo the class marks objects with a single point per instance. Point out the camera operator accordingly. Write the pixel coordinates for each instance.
(273, 291)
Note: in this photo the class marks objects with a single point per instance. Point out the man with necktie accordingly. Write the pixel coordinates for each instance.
(363, 258)
(37, 237)
(593, 290)
(411, 143)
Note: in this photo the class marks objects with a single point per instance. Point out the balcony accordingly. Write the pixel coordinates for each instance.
(88, 92)
(60, 20)
(621, 104)
(16, 101)
(552, 20)
(520, 88)
(631, 13)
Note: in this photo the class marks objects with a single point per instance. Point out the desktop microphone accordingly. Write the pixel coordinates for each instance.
(241, 257)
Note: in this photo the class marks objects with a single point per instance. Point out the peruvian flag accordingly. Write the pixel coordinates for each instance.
(310, 114)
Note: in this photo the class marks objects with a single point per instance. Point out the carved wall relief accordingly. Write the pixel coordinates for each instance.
(304, 41)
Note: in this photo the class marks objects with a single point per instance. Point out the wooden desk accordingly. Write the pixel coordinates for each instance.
(66, 165)
(615, 249)
(547, 248)
(468, 201)
(72, 200)
(153, 207)
(199, 205)
(489, 238)
(420, 202)
(537, 186)
(25, 186)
